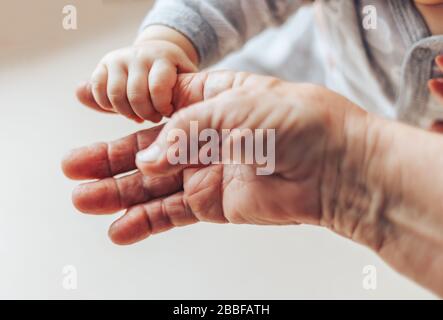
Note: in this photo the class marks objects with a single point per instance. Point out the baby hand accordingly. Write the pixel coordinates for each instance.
(137, 81)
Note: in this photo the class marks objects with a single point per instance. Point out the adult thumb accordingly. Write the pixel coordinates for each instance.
(210, 104)
(192, 88)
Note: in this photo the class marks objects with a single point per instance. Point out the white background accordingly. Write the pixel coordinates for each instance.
(41, 232)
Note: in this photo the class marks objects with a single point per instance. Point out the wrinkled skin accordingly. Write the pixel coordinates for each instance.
(309, 150)
(374, 181)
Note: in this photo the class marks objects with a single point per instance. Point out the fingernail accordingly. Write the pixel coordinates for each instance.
(149, 155)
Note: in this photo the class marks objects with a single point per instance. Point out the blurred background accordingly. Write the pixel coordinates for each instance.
(41, 233)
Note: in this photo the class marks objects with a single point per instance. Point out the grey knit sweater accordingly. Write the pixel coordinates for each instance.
(382, 64)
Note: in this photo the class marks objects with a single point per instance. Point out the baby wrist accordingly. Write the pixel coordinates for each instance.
(164, 33)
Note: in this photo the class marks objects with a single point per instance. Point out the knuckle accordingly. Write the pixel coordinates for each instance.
(137, 98)
(140, 54)
(115, 55)
(157, 50)
(97, 85)
(116, 92)
(158, 88)
(145, 56)
(116, 95)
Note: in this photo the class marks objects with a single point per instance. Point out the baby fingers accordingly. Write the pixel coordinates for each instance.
(138, 92)
(99, 81)
(162, 79)
(116, 90)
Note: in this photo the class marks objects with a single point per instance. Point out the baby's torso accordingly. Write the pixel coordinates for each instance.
(381, 55)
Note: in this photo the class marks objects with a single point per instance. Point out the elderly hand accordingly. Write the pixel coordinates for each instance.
(313, 173)
(375, 181)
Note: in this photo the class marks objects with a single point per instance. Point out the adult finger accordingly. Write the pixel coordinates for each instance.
(103, 160)
(156, 216)
(111, 195)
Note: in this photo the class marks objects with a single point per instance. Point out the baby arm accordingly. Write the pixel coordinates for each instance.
(176, 37)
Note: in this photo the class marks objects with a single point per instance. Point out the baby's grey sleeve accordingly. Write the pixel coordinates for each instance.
(217, 27)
